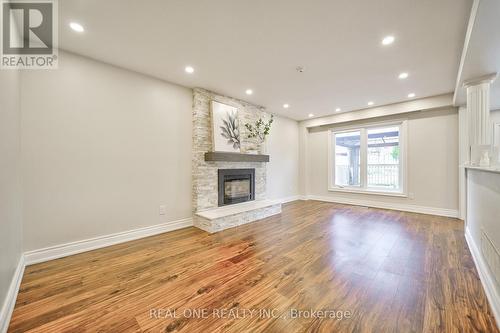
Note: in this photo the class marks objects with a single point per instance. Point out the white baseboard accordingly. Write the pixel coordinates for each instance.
(487, 280)
(290, 199)
(10, 298)
(63, 250)
(385, 205)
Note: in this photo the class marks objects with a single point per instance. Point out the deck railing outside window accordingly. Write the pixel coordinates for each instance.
(383, 175)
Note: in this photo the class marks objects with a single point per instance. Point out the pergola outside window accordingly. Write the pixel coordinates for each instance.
(368, 159)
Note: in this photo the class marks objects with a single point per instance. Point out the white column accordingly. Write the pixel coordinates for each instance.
(478, 110)
(478, 101)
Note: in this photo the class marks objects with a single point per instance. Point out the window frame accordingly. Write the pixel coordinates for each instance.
(363, 129)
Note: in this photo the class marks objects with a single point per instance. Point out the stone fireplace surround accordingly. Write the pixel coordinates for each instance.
(207, 213)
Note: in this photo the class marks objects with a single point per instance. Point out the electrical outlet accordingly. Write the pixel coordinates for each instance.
(163, 209)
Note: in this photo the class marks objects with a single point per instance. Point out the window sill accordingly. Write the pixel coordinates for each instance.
(365, 191)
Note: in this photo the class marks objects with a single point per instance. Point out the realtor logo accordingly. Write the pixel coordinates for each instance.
(29, 34)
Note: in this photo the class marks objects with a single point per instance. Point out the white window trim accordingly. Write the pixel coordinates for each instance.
(403, 143)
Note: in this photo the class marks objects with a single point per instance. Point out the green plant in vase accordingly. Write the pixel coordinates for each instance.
(258, 132)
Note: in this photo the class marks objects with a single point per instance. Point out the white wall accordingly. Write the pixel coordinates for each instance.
(102, 148)
(432, 162)
(483, 205)
(283, 168)
(483, 211)
(495, 116)
(10, 182)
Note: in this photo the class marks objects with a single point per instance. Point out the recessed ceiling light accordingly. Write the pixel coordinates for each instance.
(311, 115)
(76, 26)
(411, 95)
(249, 91)
(403, 75)
(286, 106)
(189, 69)
(388, 40)
(337, 110)
(370, 103)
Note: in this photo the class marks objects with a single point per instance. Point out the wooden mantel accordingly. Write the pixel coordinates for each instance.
(219, 156)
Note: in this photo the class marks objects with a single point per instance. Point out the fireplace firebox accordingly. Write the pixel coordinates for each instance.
(236, 185)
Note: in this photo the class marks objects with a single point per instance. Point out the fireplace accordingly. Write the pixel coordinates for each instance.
(236, 185)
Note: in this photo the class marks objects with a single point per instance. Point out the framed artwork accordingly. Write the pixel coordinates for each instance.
(225, 131)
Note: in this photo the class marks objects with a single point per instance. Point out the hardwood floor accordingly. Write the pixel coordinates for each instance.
(392, 271)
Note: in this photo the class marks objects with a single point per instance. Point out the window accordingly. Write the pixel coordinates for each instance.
(368, 159)
(383, 158)
(347, 159)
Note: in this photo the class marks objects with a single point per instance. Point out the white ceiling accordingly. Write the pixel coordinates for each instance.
(235, 45)
(483, 51)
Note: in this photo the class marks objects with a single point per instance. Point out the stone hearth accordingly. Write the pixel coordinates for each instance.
(221, 218)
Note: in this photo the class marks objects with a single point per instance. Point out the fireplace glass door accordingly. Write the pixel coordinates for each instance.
(236, 185)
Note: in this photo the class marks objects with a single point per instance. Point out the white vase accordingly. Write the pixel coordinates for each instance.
(251, 148)
(263, 147)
